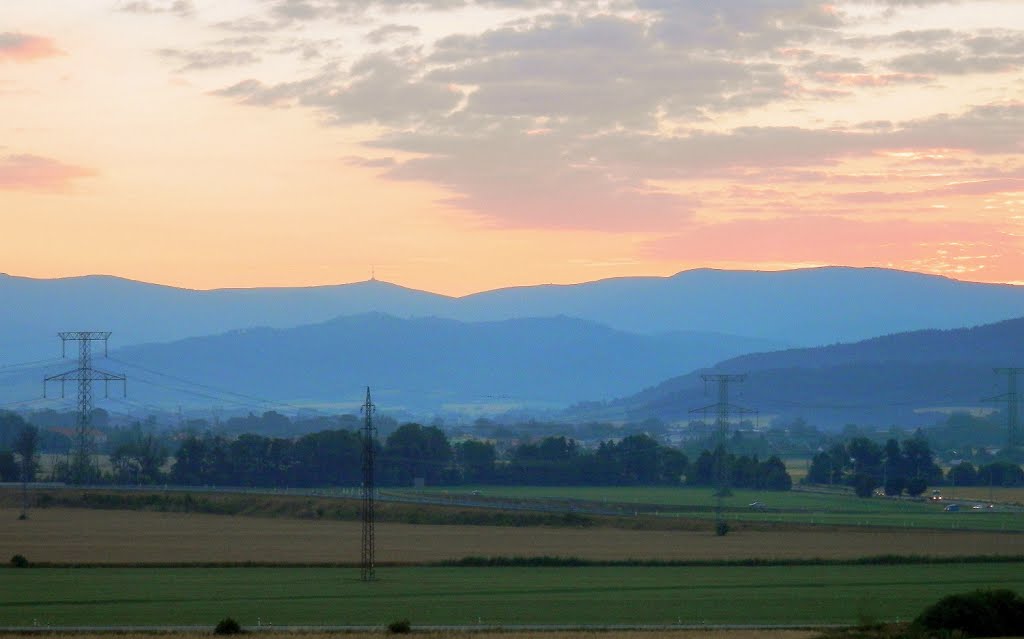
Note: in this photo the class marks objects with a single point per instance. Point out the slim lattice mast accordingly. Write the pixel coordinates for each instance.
(82, 467)
(367, 565)
(722, 409)
(1012, 404)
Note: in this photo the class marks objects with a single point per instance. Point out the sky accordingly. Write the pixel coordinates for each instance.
(463, 145)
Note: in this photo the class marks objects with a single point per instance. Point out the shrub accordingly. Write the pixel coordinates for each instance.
(19, 561)
(227, 626)
(400, 627)
(982, 613)
(721, 529)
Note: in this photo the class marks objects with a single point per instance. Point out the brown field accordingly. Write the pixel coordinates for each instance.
(998, 495)
(470, 634)
(70, 535)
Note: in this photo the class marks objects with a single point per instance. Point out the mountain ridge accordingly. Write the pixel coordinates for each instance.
(906, 378)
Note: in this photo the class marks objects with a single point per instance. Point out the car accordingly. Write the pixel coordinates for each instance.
(756, 505)
(952, 508)
(977, 507)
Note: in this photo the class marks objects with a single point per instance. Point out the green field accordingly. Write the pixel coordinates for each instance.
(833, 508)
(334, 596)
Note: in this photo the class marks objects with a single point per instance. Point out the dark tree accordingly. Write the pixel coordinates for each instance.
(920, 463)
(772, 475)
(139, 458)
(916, 486)
(26, 447)
(864, 484)
(867, 457)
(827, 466)
(963, 474)
(476, 460)
(414, 451)
(9, 470)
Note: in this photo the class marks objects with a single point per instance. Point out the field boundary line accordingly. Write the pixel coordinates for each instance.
(43, 630)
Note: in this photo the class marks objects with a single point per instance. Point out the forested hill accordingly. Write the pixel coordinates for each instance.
(999, 342)
(424, 364)
(904, 379)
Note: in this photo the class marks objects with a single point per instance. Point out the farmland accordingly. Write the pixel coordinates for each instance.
(468, 596)
(84, 536)
(139, 559)
(836, 508)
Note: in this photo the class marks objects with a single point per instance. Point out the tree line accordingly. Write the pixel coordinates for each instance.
(414, 452)
(901, 467)
(409, 453)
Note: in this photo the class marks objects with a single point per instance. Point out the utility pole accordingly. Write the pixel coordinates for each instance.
(723, 407)
(367, 511)
(1011, 399)
(82, 466)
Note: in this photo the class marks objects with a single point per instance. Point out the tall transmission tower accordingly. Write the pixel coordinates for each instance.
(722, 408)
(367, 511)
(1011, 399)
(82, 465)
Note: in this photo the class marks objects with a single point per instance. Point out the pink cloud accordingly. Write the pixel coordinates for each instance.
(977, 188)
(836, 240)
(871, 79)
(35, 173)
(21, 47)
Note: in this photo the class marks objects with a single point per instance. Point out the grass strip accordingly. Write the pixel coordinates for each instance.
(572, 562)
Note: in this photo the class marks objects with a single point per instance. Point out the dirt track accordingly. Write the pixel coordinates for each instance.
(115, 536)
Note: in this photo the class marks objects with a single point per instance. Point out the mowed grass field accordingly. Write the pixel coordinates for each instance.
(86, 536)
(468, 596)
(797, 506)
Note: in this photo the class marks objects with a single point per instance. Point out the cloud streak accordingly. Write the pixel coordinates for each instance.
(22, 47)
(26, 172)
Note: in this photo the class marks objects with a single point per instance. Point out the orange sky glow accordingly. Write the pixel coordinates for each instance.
(464, 146)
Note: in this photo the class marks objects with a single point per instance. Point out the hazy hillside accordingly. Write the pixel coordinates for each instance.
(805, 307)
(893, 379)
(421, 364)
(137, 312)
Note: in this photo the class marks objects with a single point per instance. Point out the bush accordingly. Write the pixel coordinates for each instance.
(721, 529)
(982, 613)
(227, 626)
(400, 627)
(19, 561)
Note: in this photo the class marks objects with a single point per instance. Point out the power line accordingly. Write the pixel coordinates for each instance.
(33, 401)
(213, 389)
(39, 363)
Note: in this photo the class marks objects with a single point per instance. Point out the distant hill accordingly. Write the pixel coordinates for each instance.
(804, 307)
(137, 312)
(419, 365)
(895, 379)
(808, 307)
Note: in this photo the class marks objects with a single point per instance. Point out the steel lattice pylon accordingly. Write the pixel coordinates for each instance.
(82, 467)
(722, 408)
(369, 493)
(1012, 400)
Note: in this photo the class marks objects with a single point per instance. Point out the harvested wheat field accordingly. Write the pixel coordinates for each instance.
(68, 535)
